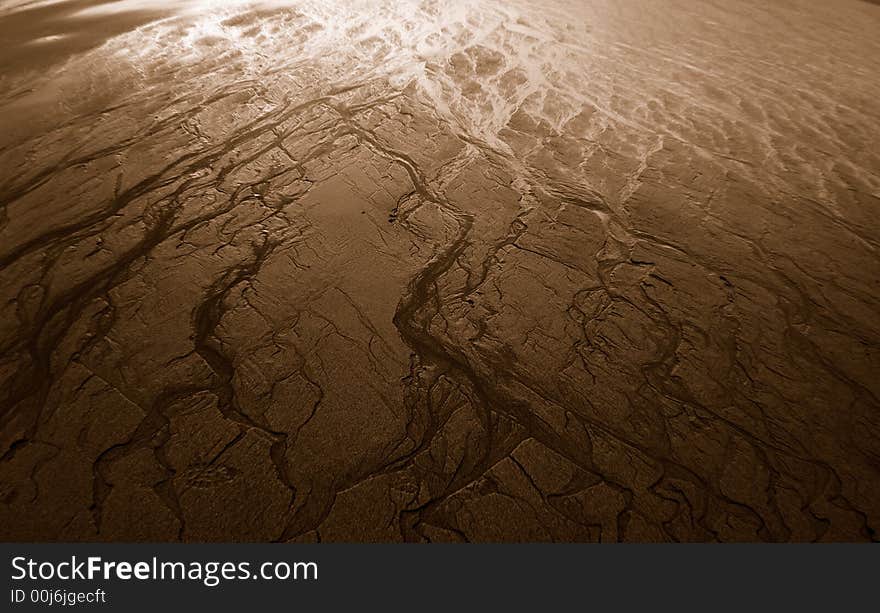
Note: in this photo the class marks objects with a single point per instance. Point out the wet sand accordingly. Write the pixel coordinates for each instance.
(440, 271)
(37, 37)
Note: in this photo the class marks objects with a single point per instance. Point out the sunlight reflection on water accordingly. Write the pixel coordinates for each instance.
(484, 65)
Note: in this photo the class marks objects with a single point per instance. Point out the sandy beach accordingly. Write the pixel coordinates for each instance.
(439, 271)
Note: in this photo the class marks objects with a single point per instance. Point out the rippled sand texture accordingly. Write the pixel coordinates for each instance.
(467, 271)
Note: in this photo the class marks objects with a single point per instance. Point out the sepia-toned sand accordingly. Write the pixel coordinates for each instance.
(450, 270)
